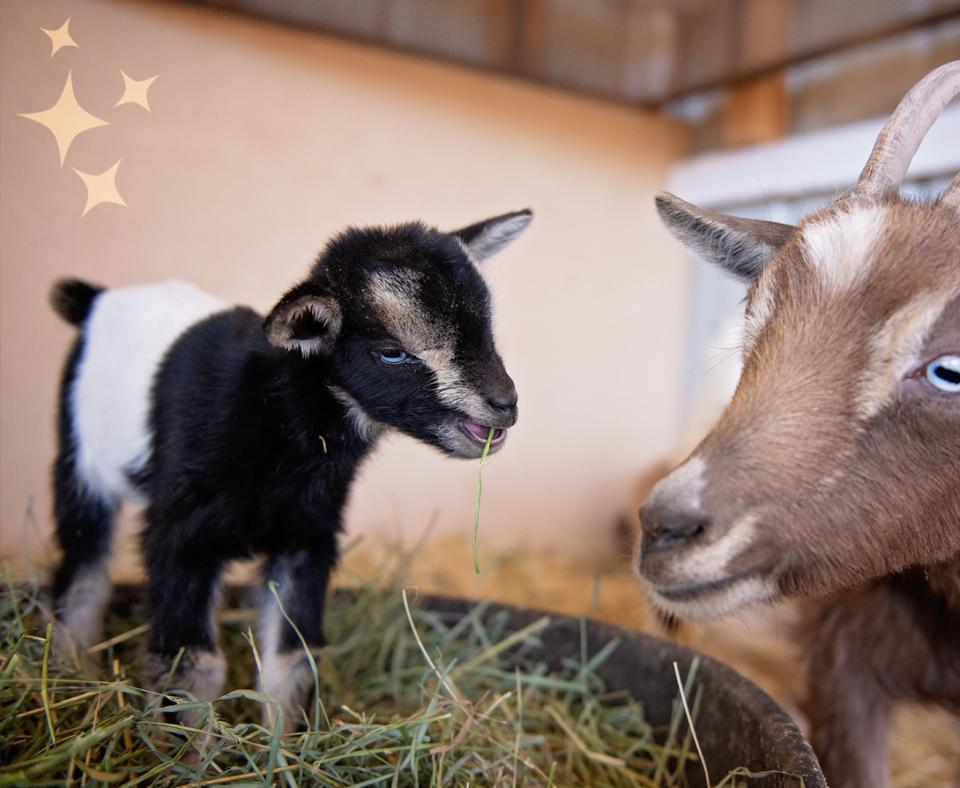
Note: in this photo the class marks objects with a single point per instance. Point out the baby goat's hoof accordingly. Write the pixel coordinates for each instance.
(197, 675)
(288, 679)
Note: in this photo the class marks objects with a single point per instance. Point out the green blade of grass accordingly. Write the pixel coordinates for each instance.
(44, 693)
(476, 505)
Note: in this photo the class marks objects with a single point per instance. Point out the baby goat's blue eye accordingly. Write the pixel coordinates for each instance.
(944, 373)
(393, 356)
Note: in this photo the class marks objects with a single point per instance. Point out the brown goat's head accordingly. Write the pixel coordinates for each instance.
(838, 460)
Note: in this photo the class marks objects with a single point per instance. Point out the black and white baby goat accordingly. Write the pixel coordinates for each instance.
(243, 435)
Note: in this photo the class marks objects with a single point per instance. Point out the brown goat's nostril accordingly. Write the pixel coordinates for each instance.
(664, 529)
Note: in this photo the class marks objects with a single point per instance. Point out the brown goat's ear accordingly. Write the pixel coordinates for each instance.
(741, 246)
(304, 320)
(484, 239)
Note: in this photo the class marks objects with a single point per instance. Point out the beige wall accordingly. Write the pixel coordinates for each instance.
(261, 142)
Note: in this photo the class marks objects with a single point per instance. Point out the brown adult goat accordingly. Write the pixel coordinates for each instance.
(835, 471)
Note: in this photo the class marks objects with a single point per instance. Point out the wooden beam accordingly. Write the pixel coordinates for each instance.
(757, 110)
(625, 49)
(765, 32)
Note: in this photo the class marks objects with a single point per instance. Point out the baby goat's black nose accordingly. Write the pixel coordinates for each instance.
(503, 399)
(664, 527)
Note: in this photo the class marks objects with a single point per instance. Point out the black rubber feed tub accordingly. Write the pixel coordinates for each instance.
(738, 724)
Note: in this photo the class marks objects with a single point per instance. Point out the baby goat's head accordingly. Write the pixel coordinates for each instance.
(400, 318)
(838, 460)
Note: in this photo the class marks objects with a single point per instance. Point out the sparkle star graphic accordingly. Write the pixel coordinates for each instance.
(60, 37)
(101, 187)
(135, 91)
(66, 119)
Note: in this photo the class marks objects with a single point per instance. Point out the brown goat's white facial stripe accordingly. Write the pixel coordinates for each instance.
(896, 345)
(748, 591)
(714, 561)
(840, 248)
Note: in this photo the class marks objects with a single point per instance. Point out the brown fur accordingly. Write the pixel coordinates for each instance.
(856, 507)
(835, 471)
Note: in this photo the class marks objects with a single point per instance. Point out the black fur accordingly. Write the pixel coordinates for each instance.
(238, 467)
(452, 292)
(84, 518)
(255, 433)
(73, 299)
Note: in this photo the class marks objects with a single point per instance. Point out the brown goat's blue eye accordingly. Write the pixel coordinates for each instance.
(944, 373)
(393, 356)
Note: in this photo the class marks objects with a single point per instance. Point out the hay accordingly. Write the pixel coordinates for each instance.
(407, 699)
(476, 503)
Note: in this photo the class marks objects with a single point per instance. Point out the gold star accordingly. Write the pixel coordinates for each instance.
(135, 91)
(101, 187)
(60, 37)
(66, 119)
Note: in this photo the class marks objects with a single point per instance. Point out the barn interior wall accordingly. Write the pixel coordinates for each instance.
(260, 142)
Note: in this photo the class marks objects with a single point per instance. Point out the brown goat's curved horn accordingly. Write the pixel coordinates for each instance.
(951, 197)
(906, 128)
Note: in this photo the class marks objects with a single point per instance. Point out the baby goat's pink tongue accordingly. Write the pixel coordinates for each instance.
(477, 430)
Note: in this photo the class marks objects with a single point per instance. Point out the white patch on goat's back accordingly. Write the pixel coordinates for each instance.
(840, 247)
(683, 486)
(125, 340)
(896, 345)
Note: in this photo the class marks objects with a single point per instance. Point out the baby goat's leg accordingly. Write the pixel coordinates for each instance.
(183, 652)
(81, 585)
(301, 579)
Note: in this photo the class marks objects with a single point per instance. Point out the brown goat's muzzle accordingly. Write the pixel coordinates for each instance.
(694, 562)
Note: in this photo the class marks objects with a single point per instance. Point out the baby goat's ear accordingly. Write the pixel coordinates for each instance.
(305, 320)
(488, 237)
(741, 246)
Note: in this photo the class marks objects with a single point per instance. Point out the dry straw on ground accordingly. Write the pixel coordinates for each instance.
(925, 750)
(408, 698)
